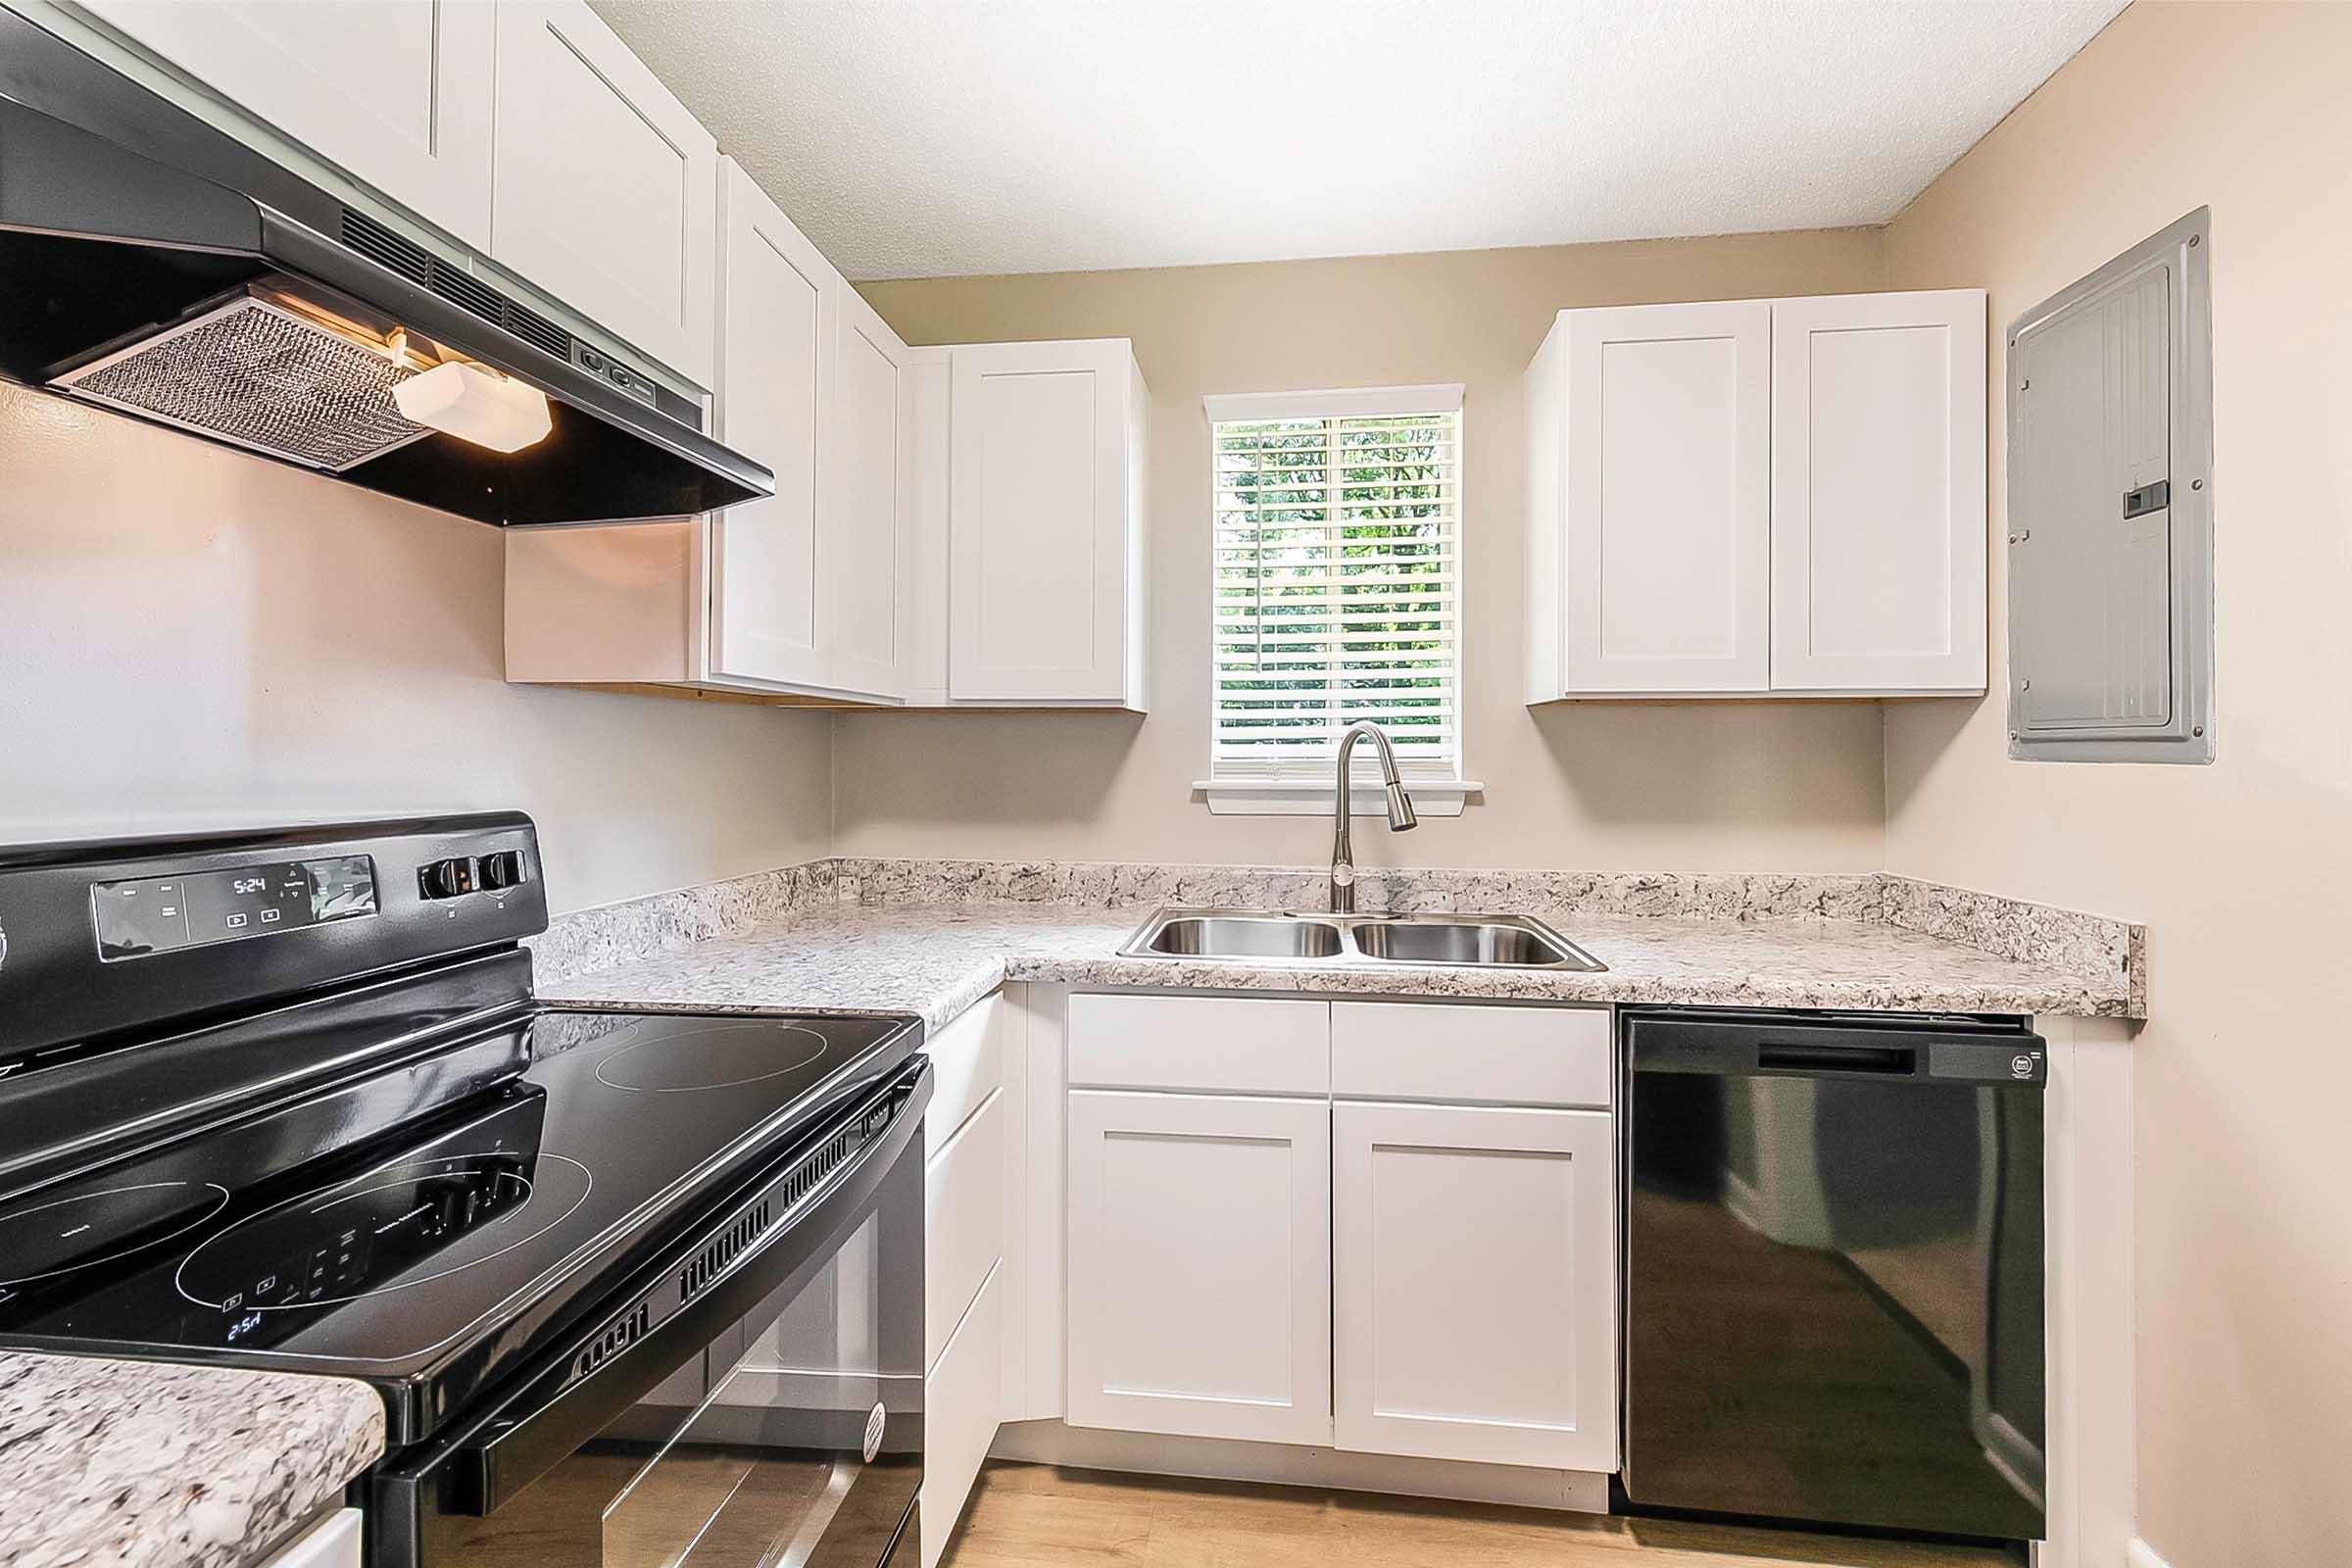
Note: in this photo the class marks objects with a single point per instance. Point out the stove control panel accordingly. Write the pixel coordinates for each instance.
(149, 915)
(461, 875)
(110, 936)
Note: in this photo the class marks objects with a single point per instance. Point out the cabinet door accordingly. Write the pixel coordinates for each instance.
(1666, 488)
(1878, 492)
(867, 524)
(605, 185)
(395, 93)
(925, 374)
(1474, 1267)
(769, 619)
(1200, 1265)
(1038, 542)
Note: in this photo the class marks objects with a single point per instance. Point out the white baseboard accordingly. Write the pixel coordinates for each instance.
(2138, 1553)
(1282, 1464)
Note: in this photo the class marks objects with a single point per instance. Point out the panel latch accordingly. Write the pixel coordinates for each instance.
(2147, 498)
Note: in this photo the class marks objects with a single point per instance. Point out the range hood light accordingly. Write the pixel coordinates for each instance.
(475, 405)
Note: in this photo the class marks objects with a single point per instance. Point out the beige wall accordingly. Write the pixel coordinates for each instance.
(2244, 1074)
(1727, 786)
(193, 636)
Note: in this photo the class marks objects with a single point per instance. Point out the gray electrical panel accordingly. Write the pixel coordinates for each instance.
(2111, 510)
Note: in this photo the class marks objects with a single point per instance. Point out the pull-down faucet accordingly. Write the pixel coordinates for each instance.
(1400, 813)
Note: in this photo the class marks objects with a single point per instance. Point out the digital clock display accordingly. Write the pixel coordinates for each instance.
(161, 913)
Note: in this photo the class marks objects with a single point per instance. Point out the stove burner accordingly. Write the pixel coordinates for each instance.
(391, 1229)
(50, 1238)
(719, 1055)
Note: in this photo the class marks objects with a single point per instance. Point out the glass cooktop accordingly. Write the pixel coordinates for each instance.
(378, 1229)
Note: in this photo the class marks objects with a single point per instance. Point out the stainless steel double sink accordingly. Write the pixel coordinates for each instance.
(1486, 941)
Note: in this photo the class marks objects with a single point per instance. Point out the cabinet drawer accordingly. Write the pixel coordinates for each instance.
(967, 1065)
(964, 1221)
(1496, 1055)
(959, 1416)
(1243, 1045)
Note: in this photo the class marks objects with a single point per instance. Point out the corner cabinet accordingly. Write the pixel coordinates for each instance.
(603, 185)
(1758, 498)
(807, 597)
(1046, 466)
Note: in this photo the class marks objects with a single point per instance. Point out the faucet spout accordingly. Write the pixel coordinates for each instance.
(1400, 812)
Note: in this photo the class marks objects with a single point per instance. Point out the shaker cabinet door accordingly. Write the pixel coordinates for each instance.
(768, 619)
(1878, 492)
(395, 93)
(1666, 491)
(605, 185)
(1474, 1265)
(1200, 1265)
(869, 517)
(1043, 572)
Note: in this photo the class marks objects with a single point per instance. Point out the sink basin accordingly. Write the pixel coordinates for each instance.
(1489, 941)
(1510, 942)
(1238, 936)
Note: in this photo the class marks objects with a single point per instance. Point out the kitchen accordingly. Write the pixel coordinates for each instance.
(923, 737)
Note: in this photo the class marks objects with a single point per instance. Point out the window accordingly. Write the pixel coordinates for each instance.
(1338, 592)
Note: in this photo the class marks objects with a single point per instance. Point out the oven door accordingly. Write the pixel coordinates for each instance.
(771, 1414)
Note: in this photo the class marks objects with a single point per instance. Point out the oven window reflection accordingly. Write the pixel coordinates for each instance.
(769, 1451)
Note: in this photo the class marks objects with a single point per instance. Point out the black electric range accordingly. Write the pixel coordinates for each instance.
(285, 1101)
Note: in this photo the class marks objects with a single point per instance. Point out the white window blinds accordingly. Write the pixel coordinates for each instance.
(1338, 581)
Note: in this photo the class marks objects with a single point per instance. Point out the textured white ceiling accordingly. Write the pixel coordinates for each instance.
(930, 137)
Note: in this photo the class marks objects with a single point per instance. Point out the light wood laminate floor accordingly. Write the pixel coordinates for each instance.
(1039, 1516)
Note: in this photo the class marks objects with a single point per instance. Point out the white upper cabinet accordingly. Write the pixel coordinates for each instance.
(1758, 498)
(1878, 492)
(866, 551)
(1474, 1262)
(605, 185)
(1046, 525)
(1661, 429)
(395, 93)
(779, 299)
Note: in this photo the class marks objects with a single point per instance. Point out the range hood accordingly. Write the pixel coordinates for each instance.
(152, 263)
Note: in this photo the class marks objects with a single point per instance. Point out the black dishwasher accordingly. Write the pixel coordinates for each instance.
(1833, 1269)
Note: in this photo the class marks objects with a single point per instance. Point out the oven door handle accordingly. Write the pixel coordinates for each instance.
(555, 1411)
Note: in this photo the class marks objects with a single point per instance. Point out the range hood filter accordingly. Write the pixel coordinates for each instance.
(257, 374)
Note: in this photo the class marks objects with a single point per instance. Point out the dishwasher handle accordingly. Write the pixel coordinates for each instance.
(1745, 1045)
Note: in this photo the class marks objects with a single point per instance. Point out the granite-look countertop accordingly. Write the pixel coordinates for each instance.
(937, 960)
(139, 1465)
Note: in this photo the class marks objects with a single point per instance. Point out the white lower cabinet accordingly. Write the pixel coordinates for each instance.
(1296, 1240)
(332, 1543)
(1200, 1265)
(960, 1415)
(1474, 1284)
(965, 1211)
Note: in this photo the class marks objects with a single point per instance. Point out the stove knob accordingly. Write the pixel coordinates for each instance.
(503, 869)
(446, 879)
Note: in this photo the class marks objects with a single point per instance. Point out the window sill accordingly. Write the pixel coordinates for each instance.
(1306, 798)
